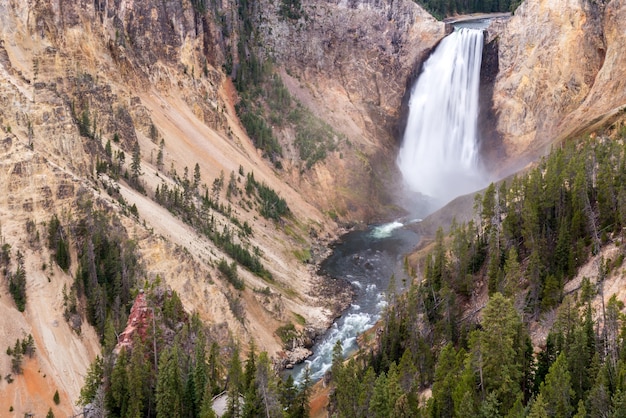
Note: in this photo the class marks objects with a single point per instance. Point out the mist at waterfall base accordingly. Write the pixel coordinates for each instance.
(367, 259)
(439, 157)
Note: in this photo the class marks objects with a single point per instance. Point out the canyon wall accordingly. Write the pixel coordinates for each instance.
(351, 62)
(560, 72)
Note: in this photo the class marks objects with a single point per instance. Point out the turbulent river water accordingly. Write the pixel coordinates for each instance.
(367, 259)
(439, 160)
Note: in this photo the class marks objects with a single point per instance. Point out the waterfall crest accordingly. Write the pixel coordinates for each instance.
(439, 153)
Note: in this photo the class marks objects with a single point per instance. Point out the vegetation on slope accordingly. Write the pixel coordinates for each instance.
(182, 195)
(266, 107)
(174, 363)
(196, 210)
(107, 267)
(446, 8)
(189, 372)
(531, 236)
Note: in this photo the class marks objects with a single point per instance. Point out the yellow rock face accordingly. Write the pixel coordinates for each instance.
(561, 68)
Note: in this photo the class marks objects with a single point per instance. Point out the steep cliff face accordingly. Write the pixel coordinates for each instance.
(560, 70)
(607, 99)
(550, 52)
(351, 63)
(365, 49)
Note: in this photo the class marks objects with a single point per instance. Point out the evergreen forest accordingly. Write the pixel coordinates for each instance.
(462, 341)
(175, 367)
(441, 352)
(446, 8)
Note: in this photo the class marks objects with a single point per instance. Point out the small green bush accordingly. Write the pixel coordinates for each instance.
(230, 272)
(287, 333)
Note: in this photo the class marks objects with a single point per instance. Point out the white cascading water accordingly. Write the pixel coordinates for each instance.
(439, 154)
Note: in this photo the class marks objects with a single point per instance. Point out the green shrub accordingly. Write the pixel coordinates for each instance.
(314, 138)
(57, 241)
(230, 272)
(258, 130)
(291, 9)
(287, 333)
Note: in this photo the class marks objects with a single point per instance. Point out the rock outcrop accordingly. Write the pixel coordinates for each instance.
(561, 70)
(139, 320)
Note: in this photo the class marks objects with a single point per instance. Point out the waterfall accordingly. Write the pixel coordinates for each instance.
(439, 153)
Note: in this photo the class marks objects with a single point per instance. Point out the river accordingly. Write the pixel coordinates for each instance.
(367, 259)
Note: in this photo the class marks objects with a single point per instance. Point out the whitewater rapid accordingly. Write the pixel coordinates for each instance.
(367, 260)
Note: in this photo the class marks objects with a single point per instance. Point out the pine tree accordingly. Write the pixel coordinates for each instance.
(337, 365)
(154, 133)
(200, 371)
(196, 177)
(619, 404)
(159, 161)
(512, 273)
(62, 254)
(250, 367)
(138, 375)
(119, 391)
(579, 358)
(93, 381)
(267, 387)
(465, 394)
(447, 373)
(557, 389)
(347, 389)
(304, 393)
(490, 407)
(107, 149)
(135, 166)
(169, 388)
(252, 406)
(234, 386)
(206, 410)
(215, 369)
(538, 408)
(599, 397)
(581, 411)
(379, 405)
(288, 395)
(407, 372)
(494, 351)
(17, 284)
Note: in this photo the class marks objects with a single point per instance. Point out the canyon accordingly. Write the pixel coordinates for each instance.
(142, 71)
